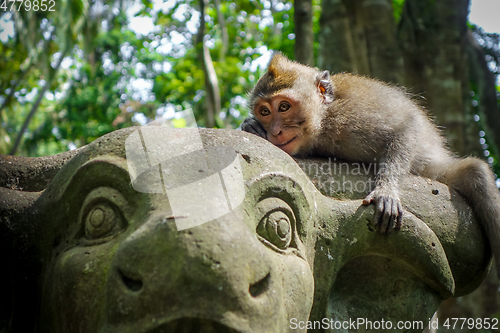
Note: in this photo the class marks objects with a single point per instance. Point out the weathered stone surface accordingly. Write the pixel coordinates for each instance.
(380, 286)
(90, 253)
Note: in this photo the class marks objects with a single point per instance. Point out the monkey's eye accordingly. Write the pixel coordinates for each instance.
(284, 106)
(264, 111)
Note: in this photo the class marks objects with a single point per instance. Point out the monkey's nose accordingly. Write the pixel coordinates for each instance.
(276, 132)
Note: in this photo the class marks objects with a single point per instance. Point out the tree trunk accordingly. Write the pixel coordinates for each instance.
(340, 50)
(360, 37)
(384, 56)
(433, 35)
(211, 85)
(304, 36)
(223, 28)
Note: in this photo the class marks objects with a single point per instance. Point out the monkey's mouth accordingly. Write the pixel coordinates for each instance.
(286, 142)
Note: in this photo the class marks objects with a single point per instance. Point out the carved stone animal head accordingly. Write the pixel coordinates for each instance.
(225, 234)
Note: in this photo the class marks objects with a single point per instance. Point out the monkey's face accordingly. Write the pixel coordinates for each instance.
(281, 117)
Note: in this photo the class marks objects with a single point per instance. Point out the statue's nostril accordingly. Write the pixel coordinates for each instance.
(130, 283)
(260, 286)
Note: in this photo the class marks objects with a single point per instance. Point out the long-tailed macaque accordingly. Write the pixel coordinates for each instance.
(304, 111)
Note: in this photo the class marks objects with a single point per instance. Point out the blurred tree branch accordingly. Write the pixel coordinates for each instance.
(211, 85)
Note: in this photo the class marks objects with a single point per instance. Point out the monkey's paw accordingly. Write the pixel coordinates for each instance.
(251, 125)
(388, 210)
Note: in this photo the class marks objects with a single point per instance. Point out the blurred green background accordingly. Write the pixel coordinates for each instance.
(83, 68)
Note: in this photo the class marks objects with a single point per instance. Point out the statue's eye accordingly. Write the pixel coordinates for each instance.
(265, 111)
(102, 215)
(284, 106)
(276, 227)
(102, 220)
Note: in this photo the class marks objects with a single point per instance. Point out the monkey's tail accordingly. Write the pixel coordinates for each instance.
(474, 179)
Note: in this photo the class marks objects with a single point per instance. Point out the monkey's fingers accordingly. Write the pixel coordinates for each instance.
(396, 215)
(251, 125)
(378, 217)
(367, 201)
(387, 223)
(392, 215)
(386, 218)
(399, 220)
(388, 212)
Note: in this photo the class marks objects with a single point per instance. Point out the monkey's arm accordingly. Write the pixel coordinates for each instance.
(251, 125)
(394, 163)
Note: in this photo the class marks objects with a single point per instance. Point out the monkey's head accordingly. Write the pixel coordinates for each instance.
(290, 100)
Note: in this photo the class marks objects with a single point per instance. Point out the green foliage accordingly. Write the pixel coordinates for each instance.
(397, 6)
(114, 78)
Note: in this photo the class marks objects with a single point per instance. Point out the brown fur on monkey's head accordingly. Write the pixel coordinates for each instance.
(282, 73)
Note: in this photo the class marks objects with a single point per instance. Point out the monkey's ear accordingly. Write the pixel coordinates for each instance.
(325, 86)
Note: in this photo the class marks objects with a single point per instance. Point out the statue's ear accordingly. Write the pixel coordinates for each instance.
(325, 87)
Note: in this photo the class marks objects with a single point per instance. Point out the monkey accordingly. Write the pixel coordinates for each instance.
(307, 112)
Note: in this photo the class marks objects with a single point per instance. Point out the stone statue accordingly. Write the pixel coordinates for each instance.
(183, 230)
